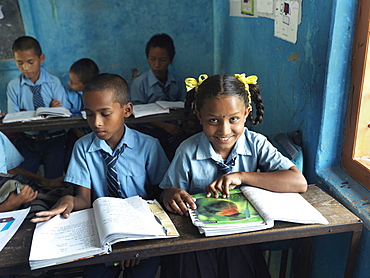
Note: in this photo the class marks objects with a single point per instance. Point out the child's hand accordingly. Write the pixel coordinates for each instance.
(129, 263)
(55, 103)
(223, 184)
(64, 206)
(26, 195)
(175, 200)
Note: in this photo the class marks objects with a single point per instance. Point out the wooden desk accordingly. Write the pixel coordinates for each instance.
(61, 123)
(14, 257)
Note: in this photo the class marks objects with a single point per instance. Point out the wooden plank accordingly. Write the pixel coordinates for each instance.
(14, 257)
(61, 123)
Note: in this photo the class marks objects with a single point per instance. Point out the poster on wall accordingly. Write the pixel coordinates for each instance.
(285, 13)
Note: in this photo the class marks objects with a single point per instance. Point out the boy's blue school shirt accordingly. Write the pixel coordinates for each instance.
(9, 155)
(194, 167)
(20, 96)
(74, 99)
(142, 164)
(147, 88)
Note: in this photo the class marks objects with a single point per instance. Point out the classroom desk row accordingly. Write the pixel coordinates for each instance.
(14, 256)
(61, 123)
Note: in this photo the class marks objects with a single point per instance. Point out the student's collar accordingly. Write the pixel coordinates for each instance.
(127, 140)
(27, 81)
(206, 151)
(152, 79)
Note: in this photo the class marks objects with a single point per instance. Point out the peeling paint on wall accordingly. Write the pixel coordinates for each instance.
(293, 57)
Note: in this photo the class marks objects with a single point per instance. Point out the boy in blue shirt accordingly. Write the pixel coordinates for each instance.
(140, 163)
(160, 83)
(79, 73)
(34, 88)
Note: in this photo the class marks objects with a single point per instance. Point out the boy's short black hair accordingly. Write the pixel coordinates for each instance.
(26, 43)
(85, 69)
(109, 82)
(162, 41)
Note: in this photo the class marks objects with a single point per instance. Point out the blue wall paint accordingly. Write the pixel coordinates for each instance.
(291, 75)
(114, 33)
(304, 85)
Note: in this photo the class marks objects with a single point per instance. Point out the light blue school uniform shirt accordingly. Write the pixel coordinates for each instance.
(194, 167)
(9, 155)
(147, 88)
(142, 164)
(74, 99)
(20, 96)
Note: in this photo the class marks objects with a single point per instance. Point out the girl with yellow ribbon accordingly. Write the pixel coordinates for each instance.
(225, 155)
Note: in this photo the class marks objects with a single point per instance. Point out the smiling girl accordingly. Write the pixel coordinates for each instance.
(225, 155)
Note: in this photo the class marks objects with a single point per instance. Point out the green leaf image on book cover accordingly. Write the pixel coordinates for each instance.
(236, 208)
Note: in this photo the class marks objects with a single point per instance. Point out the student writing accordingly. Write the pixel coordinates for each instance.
(34, 88)
(160, 83)
(225, 155)
(113, 160)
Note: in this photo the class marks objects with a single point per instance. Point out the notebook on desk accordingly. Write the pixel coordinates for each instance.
(41, 113)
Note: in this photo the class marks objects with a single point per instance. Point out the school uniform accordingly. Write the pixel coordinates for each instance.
(10, 158)
(197, 159)
(196, 165)
(43, 147)
(141, 165)
(74, 99)
(74, 103)
(147, 88)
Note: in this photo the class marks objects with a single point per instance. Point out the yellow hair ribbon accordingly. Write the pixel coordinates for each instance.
(192, 83)
(251, 79)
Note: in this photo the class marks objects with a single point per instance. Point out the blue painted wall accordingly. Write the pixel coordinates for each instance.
(114, 34)
(304, 85)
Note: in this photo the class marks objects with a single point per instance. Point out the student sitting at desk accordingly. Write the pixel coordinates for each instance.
(34, 88)
(160, 83)
(10, 159)
(113, 160)
(223, 156)
(79, 73)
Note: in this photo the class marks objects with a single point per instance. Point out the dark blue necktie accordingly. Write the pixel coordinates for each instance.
(226, 167)
(112, 177)
(165, 91)
(37, 97)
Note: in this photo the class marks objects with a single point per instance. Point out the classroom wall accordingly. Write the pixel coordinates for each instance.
(294, 77)
(114, 33)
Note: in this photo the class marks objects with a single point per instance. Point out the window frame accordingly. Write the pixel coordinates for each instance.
(356, 125)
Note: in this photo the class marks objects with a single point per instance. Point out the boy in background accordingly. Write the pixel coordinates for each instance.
(113, 160)
(79, 73)
(34, 88)
(160, 83)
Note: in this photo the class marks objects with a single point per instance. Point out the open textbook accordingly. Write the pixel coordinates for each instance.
(92, 231)
(9, 224)
(251, 209)
(159, 107)
(41, 113)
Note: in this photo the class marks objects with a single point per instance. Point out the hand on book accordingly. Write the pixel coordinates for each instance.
(64, 206)
(177, 200)
(223, 184)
